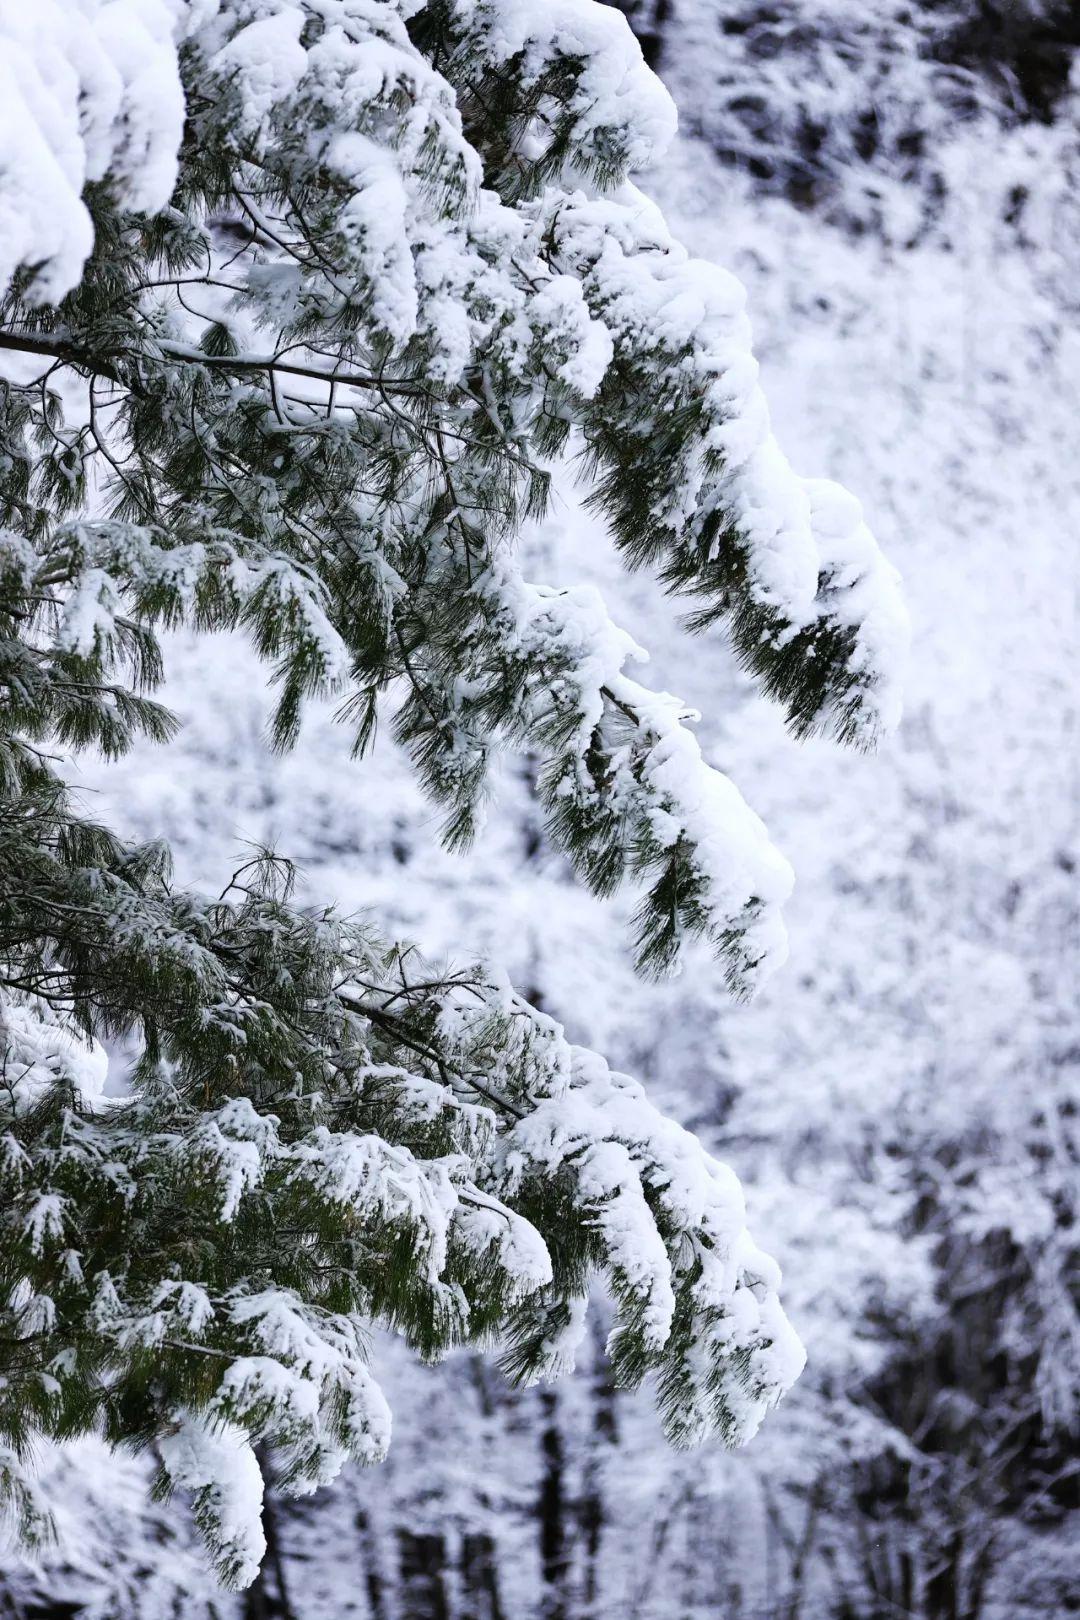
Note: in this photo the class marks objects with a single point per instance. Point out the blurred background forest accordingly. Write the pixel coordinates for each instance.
(898, 184)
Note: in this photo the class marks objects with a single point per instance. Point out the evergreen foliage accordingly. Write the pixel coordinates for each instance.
(316, 392)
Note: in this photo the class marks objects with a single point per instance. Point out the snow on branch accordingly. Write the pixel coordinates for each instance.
(247, 1248)
(87, 92)
(693, 481)
(624, 781)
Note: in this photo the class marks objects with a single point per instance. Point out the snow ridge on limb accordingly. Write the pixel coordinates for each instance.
(622, 777)
(215, 1464)
(571, 76)
(692, 480)
(87, 92)
(696, 1300)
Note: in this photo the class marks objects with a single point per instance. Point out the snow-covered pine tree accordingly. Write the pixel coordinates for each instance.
(327, 290)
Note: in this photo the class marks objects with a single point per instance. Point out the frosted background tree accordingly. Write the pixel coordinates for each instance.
(327, 299)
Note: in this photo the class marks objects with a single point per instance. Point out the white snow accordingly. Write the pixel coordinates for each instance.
(615, 91)
(657, 300)
(87, 87)
(36, 1052)
(217, 1465)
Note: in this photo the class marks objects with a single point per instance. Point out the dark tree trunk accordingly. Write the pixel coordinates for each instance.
(373, 1580)
(592, 1509)
(552, 1514)
(479, 1578)
(422, 1566)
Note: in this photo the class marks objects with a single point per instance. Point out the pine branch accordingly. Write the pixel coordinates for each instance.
(158, 348)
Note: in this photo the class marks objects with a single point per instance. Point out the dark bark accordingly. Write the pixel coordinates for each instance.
(552, 1514)
(422, 1569)
(373, 1581)
(479, 1578)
